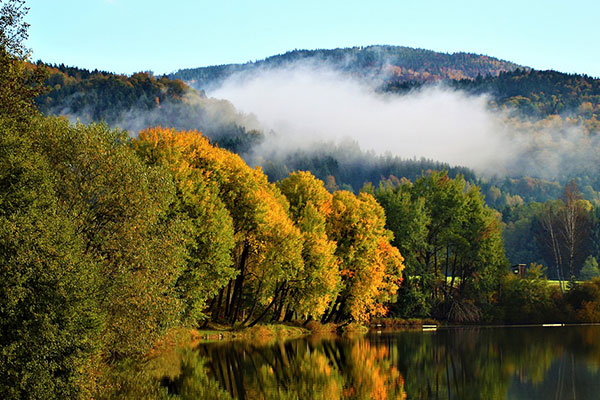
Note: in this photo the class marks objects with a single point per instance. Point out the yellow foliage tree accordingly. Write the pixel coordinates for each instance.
(267, 250)
(318, 284)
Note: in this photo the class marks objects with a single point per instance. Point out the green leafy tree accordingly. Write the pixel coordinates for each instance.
(408, 220)
(19, 84)
(49, 317)
(453, 246)
(590, 269)
(121, 211)
(519, 233)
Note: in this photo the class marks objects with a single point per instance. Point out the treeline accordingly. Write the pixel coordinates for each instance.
(296, 251)
(456, 267)
(454, 248)
(387, 63)
(346, 166)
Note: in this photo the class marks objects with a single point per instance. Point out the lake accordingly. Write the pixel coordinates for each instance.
(450, 363)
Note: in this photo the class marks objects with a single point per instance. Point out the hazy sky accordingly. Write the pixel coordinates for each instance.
(126, 36)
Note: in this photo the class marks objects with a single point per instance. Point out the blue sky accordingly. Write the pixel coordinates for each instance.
(126, 36)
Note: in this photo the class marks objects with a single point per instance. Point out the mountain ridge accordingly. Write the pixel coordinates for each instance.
(389, 63)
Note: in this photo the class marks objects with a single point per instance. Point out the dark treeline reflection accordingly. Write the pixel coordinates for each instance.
(498, 363)
(478, 363)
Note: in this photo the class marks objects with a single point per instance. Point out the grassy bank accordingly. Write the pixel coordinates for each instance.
(267, 332)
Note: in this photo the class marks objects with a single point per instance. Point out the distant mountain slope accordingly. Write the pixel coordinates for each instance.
(542, 93)
(537, 94)
(103, 95)
(387, 63)
(140, 100)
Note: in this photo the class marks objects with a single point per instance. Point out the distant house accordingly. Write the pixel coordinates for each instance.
(519, 270)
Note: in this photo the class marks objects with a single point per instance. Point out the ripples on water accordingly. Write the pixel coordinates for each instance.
(468, 363)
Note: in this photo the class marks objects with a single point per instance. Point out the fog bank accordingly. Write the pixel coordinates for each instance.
(308, 103)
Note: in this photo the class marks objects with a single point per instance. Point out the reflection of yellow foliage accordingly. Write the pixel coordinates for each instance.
(310, 375)
(372, 375)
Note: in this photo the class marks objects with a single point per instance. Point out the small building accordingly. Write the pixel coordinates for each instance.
(519, 269)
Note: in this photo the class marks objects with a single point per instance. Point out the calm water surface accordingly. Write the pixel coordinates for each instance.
(472, 363)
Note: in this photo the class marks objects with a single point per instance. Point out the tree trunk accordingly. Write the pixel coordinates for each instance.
(328, 315)
(239, 282)
(218, 309)
(254, 302)
(228, 301)
(264, 312)
(277, 314)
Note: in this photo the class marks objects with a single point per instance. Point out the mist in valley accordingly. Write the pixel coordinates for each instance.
(306, 105)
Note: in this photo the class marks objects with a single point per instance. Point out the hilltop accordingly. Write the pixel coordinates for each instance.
(384, 63)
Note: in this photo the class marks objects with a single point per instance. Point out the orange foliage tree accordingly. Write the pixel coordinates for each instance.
(371, 269)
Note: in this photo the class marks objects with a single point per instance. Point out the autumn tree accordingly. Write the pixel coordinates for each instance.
(209, 228)
(317, 284)
(370, 267)
(267, 251)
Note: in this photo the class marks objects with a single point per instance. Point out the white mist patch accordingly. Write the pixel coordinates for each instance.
(304, 104)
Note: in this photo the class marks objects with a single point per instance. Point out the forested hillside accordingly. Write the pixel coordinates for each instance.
(542, 93)
(141, 100)
(382, 63)
(539, 103)
(532, 94)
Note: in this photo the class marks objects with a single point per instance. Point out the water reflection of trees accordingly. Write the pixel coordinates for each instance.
(306, 369)
(450, 364)
(497, 363)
